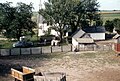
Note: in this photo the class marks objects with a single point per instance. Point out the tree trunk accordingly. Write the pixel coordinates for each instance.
(61, 34)
(73, 27)
(19, 34)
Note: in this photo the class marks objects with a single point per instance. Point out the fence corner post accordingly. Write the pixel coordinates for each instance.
(30, 51)
(10, 52)
(41, 50)
(71, 47)
(51, 49)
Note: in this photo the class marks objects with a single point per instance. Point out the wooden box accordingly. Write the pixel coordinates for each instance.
(25, 75)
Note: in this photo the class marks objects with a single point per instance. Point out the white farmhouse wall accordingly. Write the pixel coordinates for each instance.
(40, 32)
(44, 27)
(98, 36)
(53, 32)
(75, 44)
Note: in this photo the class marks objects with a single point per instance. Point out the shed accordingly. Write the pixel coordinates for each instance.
(96, 32)
(80, 39)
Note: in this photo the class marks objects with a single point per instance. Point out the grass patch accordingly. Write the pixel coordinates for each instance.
(110, 17)
(6, 43)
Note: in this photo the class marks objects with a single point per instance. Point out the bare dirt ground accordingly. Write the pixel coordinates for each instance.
(78, 66)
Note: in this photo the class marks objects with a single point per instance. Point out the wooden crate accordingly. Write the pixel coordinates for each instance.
(55, 76)
(25, 75)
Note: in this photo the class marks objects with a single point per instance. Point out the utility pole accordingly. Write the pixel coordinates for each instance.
(39, 19)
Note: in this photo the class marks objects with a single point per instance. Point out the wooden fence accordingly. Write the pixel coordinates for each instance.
(52, 49)
(35, 50)
(100, 47)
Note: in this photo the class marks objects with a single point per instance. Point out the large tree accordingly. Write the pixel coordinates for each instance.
(56, 13)
(70, 13)
(113, 24)
(116, 24)
(16, 21)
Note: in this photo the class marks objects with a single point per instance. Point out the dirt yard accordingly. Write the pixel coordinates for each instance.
(78, 66)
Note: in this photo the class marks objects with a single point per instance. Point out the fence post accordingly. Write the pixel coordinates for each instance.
(30, 51)
(41, 50)
(10, 52)
(20, 51)
(111, 46)
(61, 48)
(71, 47)
(51, 49)
(0, 52)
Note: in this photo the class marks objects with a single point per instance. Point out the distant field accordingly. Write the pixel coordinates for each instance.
(105, 14)
(110, 15)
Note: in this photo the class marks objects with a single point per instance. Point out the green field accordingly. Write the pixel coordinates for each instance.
(105, 14)
(110, 15)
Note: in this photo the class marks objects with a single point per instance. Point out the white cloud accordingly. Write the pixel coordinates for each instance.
(109, 4)
(104, 4)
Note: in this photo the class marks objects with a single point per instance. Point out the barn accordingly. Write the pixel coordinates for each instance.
(80, 39)
(87, 36)
(96, 32)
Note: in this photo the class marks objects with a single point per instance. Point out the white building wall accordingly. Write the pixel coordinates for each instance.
(98, 36)
(53, 32)
(40, 32)
(75, 44)
(44, 27)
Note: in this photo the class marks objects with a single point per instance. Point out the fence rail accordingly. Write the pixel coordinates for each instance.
(96, 47)
(35, 50)
(52, 49)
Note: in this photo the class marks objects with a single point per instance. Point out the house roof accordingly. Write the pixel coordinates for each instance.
(79, 33)
(85, 40)
(94, 29)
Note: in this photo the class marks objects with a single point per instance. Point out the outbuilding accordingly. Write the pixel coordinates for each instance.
(80, 39)
(96, 32)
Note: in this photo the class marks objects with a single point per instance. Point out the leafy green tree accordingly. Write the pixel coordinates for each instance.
(116, 23)
(109, 26)
(90, 13)
(73, 13)
(56, 13)
(16, 21)
(6, 16)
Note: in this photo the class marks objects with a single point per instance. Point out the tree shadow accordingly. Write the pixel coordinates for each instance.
(8, 62)
(0, 46)
(5, 68)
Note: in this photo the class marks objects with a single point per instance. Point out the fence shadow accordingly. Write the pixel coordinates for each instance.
(5, 68)
(16, 62)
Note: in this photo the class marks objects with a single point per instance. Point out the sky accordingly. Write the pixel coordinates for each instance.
(109, 4)
(104, 4)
